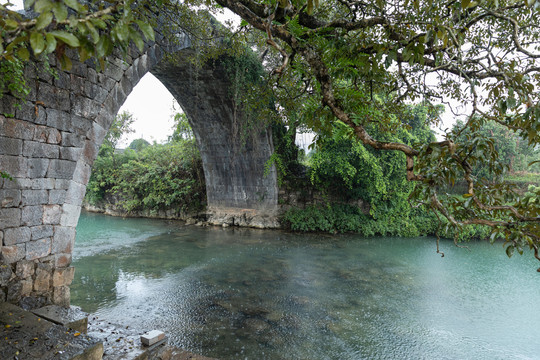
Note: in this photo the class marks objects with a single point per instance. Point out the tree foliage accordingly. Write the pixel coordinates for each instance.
(361, 64)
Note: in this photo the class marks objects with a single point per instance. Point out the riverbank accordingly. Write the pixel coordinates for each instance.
(225, 216)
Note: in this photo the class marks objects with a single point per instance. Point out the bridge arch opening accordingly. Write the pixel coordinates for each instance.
(51, 140)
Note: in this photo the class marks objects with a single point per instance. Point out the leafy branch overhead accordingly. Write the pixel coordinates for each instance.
(359, 64)
(93, 29)
(366, 59)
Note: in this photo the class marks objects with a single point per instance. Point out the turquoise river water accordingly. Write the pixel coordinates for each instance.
(252, 294)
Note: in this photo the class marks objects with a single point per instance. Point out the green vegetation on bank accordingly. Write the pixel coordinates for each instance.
(150, 177)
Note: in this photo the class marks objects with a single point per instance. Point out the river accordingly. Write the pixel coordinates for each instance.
(237, 293)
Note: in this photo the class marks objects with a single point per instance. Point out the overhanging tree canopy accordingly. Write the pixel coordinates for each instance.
(359, 63)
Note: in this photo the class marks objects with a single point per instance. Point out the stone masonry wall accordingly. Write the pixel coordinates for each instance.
(49, 142)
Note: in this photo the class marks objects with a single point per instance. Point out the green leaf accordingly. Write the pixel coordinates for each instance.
(136, 38)
(51, 43)
(309, 8)
(66, 62)
(122, 31)
(243, 23)
(37, 42)
(11, 24)
(510, 250)
(23, 53)
(28, 3)
(146, 29)
(42, 6)
(465, 3)
(104, 46)
(66, 37)
(93, 32)
(74, 4)
(60, 12)
(44, 20)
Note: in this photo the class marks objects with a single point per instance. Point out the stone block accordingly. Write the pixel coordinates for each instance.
(17, 235)
(61, 169)
(63, 276)
(90, 151)
(63, 239)
(61, 297)
(57, 196)
(26, 111)
(71, 317)
(42, 184)
(59, 120)
(70, 215)
(18, 129)
(80, 124)
(15, 166)
(10, 146)
(38, 248)
(63, 80)
(52, 214)
(14, 291)
(36, 149)
(37, 168)
(34, 197)
(13, 253)
(70, 153)
(92, 75)
(62, 184)
(85, 107)
(53, 97)
(77, 84)
(41, 231)
(82, 172)
(32, 215)
(72, 139)
(24, 269)
(75, 194)
(41, 117)
(26, 287)
(5, 274)
(152, 337)
(96, 133)
(42, 281)
(10, 198)
(62, 260)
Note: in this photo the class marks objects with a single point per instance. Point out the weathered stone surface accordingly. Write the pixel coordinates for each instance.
(57, 196)
(37, 168)
(5, 274)
(42, 183)
(32, 215)
(43, 278)
(38, 248)
(70, 215)
(37, 149)
(63, 239)
(42, 231)
(61, 169)
(10, 146)
(61, 296)
(35, 197)
(10, 217)
(75, 194)
(62, 260)
(51, 214)
(24, 269)
(16, 235)
(13, 253)
(10, 198)
(63, 276)
(35, 338)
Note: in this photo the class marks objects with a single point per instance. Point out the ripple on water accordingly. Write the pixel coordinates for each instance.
(271, 295)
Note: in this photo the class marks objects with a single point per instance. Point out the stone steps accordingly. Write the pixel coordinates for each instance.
(25, 335)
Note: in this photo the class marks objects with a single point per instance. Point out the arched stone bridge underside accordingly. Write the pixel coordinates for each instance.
(49, 143)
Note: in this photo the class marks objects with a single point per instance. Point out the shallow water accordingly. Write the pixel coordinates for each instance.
(254, 294)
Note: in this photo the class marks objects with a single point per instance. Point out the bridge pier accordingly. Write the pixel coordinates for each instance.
(50, 140)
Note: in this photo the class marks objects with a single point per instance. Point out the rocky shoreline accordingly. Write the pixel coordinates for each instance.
(260, 219)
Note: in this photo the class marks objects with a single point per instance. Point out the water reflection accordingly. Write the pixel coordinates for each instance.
(245, 293)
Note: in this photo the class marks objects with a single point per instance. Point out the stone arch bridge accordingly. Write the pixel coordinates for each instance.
(49, 143)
